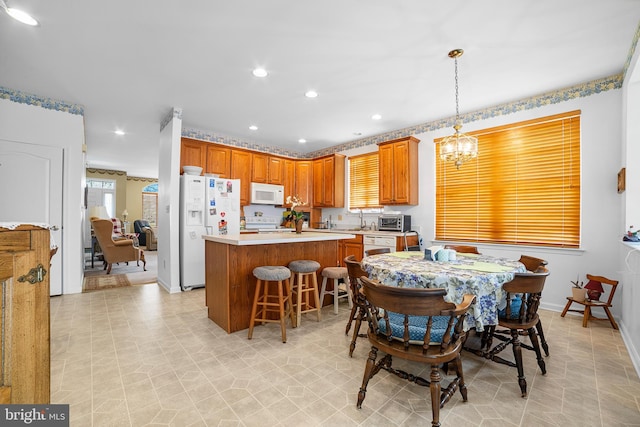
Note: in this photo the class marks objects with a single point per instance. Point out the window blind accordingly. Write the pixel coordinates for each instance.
(523, 188)
(363, 181)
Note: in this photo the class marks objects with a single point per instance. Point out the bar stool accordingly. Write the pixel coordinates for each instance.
(335, 273)
(279, 302)
(305, 282)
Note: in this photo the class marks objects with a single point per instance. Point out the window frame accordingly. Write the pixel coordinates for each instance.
(486, 195)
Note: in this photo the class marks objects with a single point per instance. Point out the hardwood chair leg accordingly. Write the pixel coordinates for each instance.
(436, 389)
(566, 308)
(587, 314)
(543, 341)
(610, 316)
(517, 355)
(356, 332)
(369, 371)
(254, 308)
(354, 309)
(283, 319)
(536, 347)
(463, 386)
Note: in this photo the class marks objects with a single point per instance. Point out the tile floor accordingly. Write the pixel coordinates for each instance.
(138, 356)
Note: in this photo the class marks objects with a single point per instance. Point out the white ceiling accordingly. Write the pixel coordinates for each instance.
(129, 62)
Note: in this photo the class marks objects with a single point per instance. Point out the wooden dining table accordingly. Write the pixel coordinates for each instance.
(479, 275)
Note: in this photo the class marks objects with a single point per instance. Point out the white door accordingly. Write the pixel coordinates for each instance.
(31, 191)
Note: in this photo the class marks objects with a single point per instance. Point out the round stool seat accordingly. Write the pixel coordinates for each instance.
(271, 272)
(335, 272)
(304, 266)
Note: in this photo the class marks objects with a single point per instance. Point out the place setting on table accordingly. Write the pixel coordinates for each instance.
(457, 272)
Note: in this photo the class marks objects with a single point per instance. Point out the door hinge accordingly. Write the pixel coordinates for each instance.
(35, 275)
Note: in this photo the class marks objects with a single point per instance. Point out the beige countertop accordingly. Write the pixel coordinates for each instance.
(367, 232)
(271, 238)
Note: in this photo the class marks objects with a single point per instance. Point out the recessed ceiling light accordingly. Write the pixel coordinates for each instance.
(357, 133)
(119, 132)
(260, 72)
(19, 15)
(302, 140)
(311, 94)
(253, 127)
(376, 117)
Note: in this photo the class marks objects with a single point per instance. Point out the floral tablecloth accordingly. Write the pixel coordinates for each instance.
(479, 275)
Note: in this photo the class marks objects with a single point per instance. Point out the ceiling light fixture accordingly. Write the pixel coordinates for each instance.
(376, 117)
(253, 127)
(302, 140)
(18, 14)
(311, 94)
(458, 147)
(118, 132)
(260, 72)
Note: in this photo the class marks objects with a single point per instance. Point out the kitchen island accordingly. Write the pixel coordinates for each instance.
(230, 260)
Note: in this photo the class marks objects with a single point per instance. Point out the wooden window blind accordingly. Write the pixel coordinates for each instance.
(363, 181)
(522, 189)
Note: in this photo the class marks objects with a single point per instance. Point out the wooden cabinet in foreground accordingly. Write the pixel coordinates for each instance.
(24, 323)
(193, 153)
(267, 169)
(328, 181)
(241, 169)
(398, 171)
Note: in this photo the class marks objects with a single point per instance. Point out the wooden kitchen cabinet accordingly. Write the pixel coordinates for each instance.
(193, 153)
(289, 179)
(241, 169)
(304, 181)
(218, 160)
(328, 181)
(351, 247)
(398, 171)
(267, 169)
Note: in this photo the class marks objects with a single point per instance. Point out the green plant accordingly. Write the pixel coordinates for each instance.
(295, 201)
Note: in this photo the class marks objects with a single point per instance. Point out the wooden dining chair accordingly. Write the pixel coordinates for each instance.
(589, 305)
(465, 249)
(520, 314)
(536, 265)
(417, 325)
(377, 251)
(358, 307)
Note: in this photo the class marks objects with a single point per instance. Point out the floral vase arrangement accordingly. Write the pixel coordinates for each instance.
(295, 218)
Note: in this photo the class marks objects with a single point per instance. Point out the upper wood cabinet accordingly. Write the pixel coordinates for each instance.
(267, 169)
(218, 160)
(398, 171)
(193, 153)
(241, 169)
(289, 179)
(304, 181)
(328, 181)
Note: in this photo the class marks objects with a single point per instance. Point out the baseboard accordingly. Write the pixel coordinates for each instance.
(168, 287)
(633, 352)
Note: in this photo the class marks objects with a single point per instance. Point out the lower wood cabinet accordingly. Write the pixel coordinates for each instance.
(351, 247)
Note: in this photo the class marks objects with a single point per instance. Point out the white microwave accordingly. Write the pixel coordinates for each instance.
(267, 194)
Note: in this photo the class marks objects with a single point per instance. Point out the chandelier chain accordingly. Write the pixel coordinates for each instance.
(457, 100)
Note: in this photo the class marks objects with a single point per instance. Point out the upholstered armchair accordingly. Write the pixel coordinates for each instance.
(146, 234)
(115, 251)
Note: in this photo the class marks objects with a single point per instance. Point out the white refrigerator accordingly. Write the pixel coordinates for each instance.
(208, 205)
(192, 227)
(222, 212)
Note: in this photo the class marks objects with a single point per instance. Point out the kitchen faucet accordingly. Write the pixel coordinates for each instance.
(362, 224)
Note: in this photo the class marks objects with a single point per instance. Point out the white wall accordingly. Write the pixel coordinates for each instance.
(37, 125)
(169, 204)
(602, 227)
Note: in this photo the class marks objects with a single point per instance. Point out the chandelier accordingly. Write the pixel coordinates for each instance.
(458, 147)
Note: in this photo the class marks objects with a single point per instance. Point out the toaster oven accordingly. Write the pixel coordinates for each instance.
(394, 222)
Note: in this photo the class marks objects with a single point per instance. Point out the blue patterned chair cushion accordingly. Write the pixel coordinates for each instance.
(516, 303)
(417, 327)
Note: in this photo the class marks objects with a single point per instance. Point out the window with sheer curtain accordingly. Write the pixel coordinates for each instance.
(522, 189)
(363, 182)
